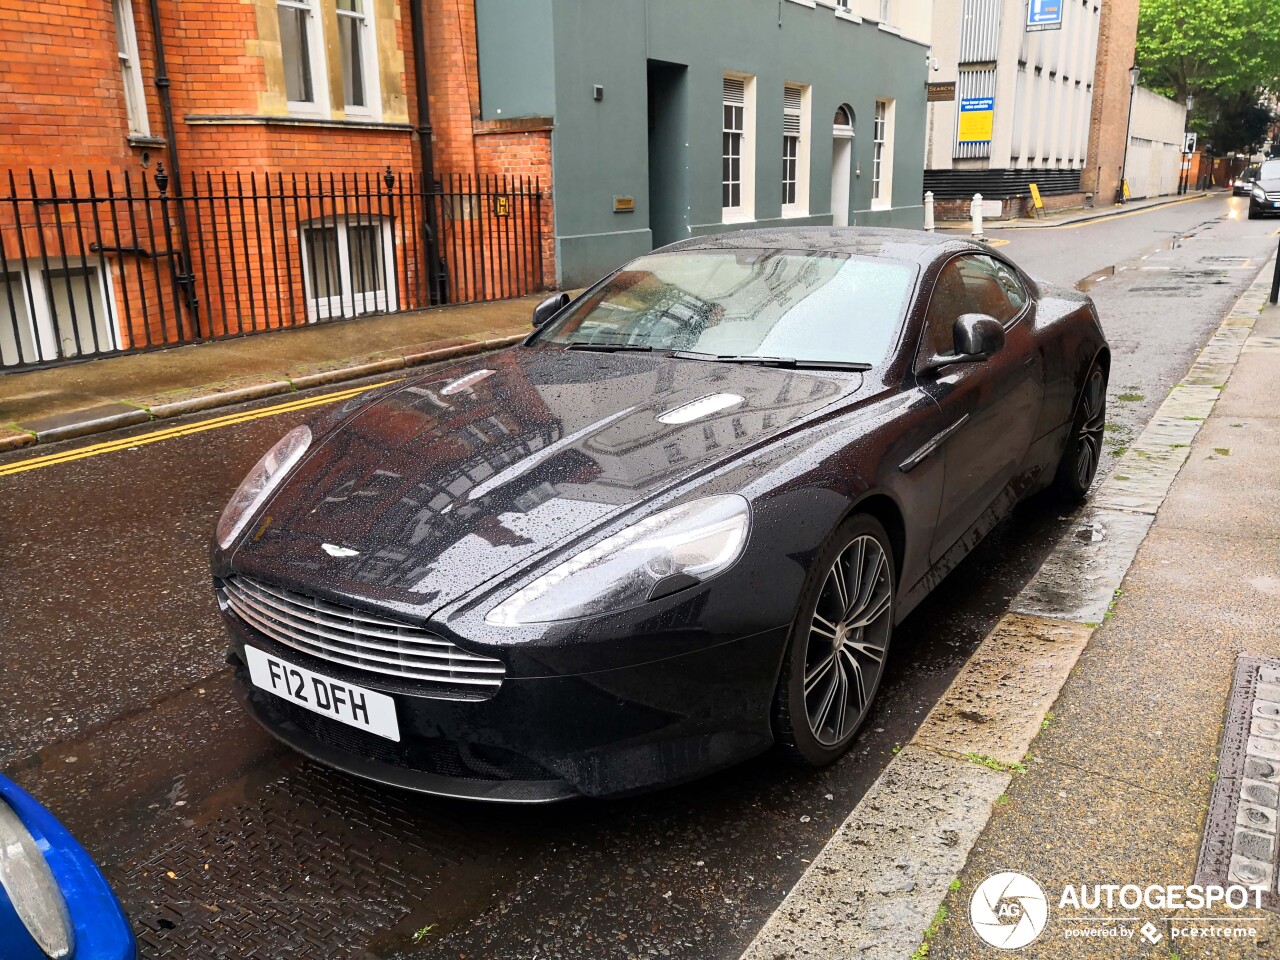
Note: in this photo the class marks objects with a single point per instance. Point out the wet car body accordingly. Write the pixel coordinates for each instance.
(54, 901)
(447, 492)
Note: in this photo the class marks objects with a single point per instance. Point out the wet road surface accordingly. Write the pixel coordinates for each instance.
(219, 842)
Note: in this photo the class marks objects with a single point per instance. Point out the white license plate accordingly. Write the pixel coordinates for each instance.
(355, 706)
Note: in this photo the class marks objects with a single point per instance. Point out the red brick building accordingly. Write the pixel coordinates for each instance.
(240, 165)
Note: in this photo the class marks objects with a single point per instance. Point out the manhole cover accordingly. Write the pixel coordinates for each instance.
(1240, 839)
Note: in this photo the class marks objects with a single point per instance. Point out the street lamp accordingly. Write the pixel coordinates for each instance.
(1133, 86)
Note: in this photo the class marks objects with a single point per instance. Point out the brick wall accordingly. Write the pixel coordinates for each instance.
(62, 108)
(1117, 34)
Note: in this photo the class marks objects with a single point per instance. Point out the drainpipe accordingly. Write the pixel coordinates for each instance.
(427, 172)
(184, 278)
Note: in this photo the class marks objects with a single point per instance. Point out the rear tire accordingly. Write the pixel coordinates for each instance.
(1079, 463)
(838, 644)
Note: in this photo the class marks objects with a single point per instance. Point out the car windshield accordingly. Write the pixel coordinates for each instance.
(1269, 170)
(746, 303)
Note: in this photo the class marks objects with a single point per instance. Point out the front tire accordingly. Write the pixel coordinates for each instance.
(1079, 463)
(838, 644)
(1254, 214)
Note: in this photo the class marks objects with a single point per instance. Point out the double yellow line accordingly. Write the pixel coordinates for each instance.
(185, 430)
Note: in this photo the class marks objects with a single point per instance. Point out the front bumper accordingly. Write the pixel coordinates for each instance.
(537, 740)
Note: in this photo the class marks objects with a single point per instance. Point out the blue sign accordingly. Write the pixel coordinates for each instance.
(1044, 15)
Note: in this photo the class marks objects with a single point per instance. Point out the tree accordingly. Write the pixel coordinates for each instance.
(1236, 123)
(1210, 46)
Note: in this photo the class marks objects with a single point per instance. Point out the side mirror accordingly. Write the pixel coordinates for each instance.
(549, 307)
(977, 336)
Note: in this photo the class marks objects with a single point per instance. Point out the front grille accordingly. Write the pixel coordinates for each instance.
(353, 638)
(1273, 196)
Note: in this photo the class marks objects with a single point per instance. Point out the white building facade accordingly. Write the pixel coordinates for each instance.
(1010, 102)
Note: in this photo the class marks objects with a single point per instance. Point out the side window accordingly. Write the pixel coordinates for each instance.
(993, 288)
(950, 299)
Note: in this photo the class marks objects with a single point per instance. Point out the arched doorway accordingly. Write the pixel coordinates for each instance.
(841, 164)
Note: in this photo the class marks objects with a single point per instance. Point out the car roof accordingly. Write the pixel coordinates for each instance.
(916, 246)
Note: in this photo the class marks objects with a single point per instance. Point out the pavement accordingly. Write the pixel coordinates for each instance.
(1080, 744)
(1118, 782)
(60, 403)
(1061, 218)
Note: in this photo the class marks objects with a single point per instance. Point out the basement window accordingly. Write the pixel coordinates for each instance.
(55, 310)
(348, 267)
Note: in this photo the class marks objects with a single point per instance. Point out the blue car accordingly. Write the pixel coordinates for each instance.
(54, 901)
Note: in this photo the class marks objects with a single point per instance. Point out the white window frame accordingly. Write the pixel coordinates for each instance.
(886, 12)
(40, 334)
(745, 211)
(882, 156)
(135, 92)
(799, 120)
(346, 303)
(372, 110)
(319, 105)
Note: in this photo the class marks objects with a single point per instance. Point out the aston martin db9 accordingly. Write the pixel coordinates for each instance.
(673, 528)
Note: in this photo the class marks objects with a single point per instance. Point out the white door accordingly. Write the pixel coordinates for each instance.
(841, 166)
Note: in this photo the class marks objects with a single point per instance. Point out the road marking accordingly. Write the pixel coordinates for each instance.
(997, 243)
(1110, 216)
(185, 430)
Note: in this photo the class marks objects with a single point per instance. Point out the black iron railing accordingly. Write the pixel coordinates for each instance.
(100, 264)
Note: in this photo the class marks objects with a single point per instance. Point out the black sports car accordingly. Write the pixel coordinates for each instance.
(674, 527)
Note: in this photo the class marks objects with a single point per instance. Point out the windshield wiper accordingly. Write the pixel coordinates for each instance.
(790, 363)
(606, 347)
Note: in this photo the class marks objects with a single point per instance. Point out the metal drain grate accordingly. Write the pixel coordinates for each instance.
(1240, 839)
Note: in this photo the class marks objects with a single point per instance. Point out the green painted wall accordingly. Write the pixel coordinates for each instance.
(602, 149)
(517, 57)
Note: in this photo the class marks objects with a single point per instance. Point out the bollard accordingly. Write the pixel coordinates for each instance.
(928, 211)
(975, 209)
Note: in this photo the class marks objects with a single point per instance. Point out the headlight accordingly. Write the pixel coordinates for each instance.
(693, 541)
(1259, 193)
(29, 883)
(262, 479)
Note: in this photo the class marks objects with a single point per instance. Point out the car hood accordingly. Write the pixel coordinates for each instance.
(440, 486)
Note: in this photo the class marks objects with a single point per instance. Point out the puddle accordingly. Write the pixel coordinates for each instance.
(1095, 278)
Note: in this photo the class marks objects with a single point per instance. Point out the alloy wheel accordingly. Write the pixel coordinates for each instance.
(1093, 423)
(847, 640)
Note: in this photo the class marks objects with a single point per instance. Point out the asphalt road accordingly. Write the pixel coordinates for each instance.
(220, 843)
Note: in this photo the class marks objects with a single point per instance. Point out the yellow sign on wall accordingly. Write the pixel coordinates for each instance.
(1035, 197)
(977, 119)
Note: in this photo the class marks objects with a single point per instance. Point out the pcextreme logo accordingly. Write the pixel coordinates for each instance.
(1008, 910)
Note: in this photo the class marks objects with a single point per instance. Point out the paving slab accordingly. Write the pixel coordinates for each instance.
(877, 882)
(994, 706)
(1065, 826)
(1232, 464)
(1079, 580)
